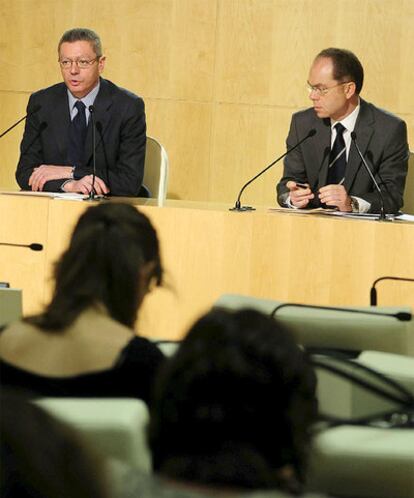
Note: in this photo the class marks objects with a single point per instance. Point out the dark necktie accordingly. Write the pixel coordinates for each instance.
(77, 135)
(337, 157)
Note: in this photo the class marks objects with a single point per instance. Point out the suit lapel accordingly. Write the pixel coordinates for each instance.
(323, 146)
(364, 130)
(60, 119)
(102, 105)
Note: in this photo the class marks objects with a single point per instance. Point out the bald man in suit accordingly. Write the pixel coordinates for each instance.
(326, 170)
(53, 158)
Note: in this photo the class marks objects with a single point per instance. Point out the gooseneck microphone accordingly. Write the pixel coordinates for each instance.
(373, 291)
(402, 316)
(381, 198)
(92, 193)
(30, 113)
(237, 206)
(34, 246)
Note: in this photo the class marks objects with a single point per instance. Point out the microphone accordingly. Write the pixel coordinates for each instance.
(402, 316)
(373, 291)
(92, 193)
(237, 206)
(30, 113)
(34, 246)
(382, 213)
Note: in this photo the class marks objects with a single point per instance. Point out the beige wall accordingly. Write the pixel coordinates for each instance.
(220, 78)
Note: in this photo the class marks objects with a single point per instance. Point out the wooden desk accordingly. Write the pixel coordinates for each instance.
(208, 251)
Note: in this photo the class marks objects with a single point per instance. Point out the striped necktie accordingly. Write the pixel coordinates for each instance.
(337, 157)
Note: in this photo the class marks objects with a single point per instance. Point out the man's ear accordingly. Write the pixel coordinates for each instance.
(101, 63)
(350, 89)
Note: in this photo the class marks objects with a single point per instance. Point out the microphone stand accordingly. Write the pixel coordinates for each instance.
(92, 194)
(237, 205)
(373, 291)
(35, 109)
(402, 316)
(382, 210)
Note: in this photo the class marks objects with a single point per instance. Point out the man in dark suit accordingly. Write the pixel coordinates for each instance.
(326, 169)
(57, 146)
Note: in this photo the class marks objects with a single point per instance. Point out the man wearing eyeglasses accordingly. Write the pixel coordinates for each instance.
(326, 170)
(57, 146)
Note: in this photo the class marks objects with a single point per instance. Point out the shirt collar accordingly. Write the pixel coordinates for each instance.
(88, 99)
(349, 121)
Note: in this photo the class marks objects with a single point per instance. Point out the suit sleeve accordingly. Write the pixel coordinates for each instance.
(31, 154)
(124, 175)
(391, 171)
(293, 165)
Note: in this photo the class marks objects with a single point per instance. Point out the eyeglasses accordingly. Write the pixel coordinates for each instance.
(321, 91)
(82, 63)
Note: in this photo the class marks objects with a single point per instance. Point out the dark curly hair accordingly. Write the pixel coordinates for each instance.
(109, 247)
(234, 405)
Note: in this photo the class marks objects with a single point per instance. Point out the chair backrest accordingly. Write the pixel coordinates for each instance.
(10, 305)
(331, 329)
(115, 427)
(156, 170)
(409, 187)
(364, 462)
(341, 397)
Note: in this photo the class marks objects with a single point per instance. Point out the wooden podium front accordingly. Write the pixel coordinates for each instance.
(208, 251)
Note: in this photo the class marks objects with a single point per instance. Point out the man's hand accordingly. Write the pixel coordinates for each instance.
(84, 186)
(299, 196)
(335, 195)
(46, 172)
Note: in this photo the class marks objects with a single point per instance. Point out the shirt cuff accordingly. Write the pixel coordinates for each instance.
(363, 205)
(64, 183)
(289, 204)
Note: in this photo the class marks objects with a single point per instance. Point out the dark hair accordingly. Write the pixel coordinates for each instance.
(42, 458)
(346, 66)
(234, 404)
(104, 264)
(82, 34)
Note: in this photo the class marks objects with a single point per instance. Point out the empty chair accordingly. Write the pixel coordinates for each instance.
(156, 170)
(332, 329)
(363, 462)
(408, 206)
(10, 305)
(115, 427)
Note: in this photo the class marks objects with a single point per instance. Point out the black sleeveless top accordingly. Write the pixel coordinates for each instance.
(132, 375)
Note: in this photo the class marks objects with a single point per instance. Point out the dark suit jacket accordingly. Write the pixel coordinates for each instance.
(120, 138)
(382, 138)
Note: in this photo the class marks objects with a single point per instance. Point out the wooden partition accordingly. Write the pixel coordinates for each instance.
(208, 251)
(220, 78)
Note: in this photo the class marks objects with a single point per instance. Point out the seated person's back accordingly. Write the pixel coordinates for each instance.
(84, 343)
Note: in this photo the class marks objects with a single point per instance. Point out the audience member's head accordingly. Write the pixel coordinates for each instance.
(42, 458)
(234, 406)
(113, 258)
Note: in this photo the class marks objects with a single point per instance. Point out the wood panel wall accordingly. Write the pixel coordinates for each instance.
(220, 78)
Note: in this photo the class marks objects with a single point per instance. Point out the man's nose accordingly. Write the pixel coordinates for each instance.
(74, 69)
(314, 95)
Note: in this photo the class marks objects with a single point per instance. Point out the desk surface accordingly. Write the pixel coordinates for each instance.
(208, 250)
